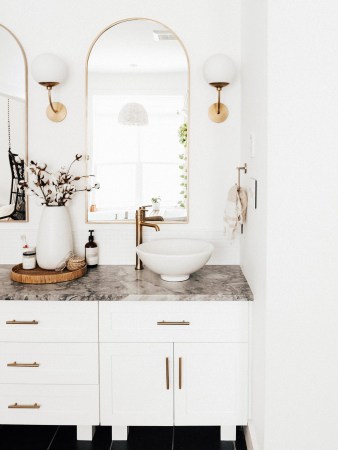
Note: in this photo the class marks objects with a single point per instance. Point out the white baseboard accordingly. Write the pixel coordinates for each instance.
(250, 437)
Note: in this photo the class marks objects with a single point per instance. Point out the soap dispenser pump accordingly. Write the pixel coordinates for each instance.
(92, 251)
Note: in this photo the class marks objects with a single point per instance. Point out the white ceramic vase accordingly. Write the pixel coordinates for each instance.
(55, 239)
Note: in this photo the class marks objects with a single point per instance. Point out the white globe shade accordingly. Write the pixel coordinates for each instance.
(219, 69)
(49, 68)
(133, 114)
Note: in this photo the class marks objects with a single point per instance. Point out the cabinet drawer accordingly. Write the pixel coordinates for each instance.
(37, 363)
(49, 404)
(173, 321)
(39, 321)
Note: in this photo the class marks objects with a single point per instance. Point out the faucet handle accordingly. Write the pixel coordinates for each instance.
(145, 207)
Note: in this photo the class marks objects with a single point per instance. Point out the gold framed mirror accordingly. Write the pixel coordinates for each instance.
(13, 127)
(137, 89)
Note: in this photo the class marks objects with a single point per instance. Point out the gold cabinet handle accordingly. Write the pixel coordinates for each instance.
(179, 373)
(16, 364)
(167, 372)
(22, 322)
(17, 406)
(183, 322)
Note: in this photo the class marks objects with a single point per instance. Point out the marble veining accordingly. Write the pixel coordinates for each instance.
(124, 283)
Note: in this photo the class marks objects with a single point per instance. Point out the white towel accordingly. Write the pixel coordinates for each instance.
(235, 211)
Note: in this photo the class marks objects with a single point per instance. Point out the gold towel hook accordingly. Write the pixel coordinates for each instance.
(239, 168)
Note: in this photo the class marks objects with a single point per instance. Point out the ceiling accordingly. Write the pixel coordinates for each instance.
(130, 47)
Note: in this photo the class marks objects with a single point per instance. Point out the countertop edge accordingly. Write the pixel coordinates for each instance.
(131, 298)
(122, 283)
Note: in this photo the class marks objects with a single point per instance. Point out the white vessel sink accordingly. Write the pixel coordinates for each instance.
(175, 259)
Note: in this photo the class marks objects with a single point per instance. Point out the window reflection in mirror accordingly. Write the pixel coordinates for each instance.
(13, 123)
(137, 93)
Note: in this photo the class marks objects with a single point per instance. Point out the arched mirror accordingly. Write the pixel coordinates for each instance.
(13, 127)
(137, 122)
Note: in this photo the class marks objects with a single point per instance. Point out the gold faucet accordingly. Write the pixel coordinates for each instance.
(140, 220)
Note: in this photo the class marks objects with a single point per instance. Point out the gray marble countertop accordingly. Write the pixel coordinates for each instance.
(107, 283)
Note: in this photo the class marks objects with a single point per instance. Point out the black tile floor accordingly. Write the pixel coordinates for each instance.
(26, 437)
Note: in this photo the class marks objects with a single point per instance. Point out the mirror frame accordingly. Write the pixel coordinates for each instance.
(130, 222)
(26, 121)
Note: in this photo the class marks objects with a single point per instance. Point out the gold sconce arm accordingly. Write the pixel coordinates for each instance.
(49, 89)
(218, 112)
(219, 100)
(55, 111)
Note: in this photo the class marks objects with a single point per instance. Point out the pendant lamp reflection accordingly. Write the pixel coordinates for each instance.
(133, 114)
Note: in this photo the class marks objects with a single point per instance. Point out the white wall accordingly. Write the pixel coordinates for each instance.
(68, 30)
(302, 246)
(253, 241)
(296, 317)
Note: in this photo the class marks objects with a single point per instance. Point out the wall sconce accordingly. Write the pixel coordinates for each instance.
(49, 71)
(219, 71)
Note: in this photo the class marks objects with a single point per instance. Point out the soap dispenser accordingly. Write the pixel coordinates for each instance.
(92, 251)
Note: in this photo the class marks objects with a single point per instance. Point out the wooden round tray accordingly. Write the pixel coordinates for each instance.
(42, 276)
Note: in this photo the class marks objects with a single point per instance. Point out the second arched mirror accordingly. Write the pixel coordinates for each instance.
(13, 128)
(137, 122)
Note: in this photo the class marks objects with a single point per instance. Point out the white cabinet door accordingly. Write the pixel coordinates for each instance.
(136, 384)
(211, 384)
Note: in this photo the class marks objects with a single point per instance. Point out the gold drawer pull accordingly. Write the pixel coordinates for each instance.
(15, 364)
(173, 323)
(21, 322)
(17, 406)
(179, 373)
(167, 372)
